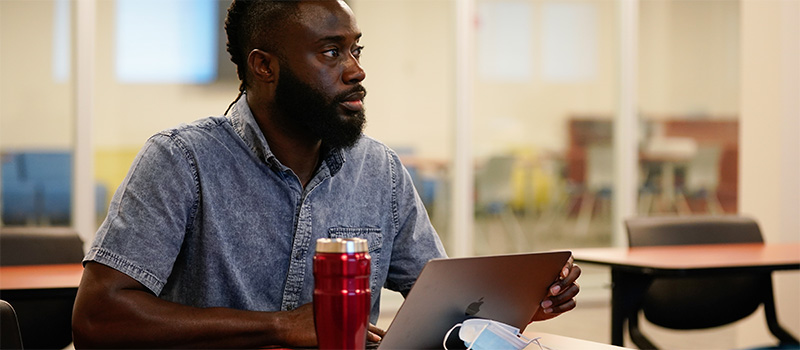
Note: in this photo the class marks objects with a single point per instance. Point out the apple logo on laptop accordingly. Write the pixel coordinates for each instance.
(474, 307)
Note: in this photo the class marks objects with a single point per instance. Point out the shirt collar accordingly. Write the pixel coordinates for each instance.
(245, 125)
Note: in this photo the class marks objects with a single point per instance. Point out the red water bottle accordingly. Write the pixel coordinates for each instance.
(341, 293)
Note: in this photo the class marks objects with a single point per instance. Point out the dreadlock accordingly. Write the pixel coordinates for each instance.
(254, 24)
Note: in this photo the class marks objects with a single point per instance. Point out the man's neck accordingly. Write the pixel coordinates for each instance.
(301, 157)
(294, 149)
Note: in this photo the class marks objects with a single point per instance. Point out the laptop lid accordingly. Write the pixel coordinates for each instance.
(505, 288)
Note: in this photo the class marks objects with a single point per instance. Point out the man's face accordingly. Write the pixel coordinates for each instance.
(319, 85)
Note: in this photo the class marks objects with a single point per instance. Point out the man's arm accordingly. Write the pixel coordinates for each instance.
(114, 310)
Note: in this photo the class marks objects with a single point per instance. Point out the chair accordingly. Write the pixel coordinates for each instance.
(599, 186)
(493, 196)
(39, 246)
(37, 189)
(702, 180)
(712, 300)
(10, 337)
(45, 321)
(18, 199)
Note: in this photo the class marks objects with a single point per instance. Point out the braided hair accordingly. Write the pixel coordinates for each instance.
(254, 24)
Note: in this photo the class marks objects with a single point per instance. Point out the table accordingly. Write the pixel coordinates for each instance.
(32, 278)
(548, 342)
(43, 296)
(633, 269)
(668, 153)
(559, 342)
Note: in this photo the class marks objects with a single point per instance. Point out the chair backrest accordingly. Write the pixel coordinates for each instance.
(708, 301)
(39, 245)
(682, 230)
(10, 337)
(493, 182)
(702, 172)
(599, 167)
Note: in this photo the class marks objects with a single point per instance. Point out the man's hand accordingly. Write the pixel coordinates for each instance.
(561, 297)
(375, 334)
(301, 331)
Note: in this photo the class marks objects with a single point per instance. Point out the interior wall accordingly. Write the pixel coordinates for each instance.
(532, 112)
(689, 59)
(408, 57)
(127, 114)
(36, 112)
(769, 164)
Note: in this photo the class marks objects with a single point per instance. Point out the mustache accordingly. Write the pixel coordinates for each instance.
(343, 96)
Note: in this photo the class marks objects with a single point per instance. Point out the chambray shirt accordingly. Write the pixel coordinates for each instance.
(208, 217)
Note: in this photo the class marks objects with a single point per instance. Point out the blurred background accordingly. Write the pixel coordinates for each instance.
(527, 125)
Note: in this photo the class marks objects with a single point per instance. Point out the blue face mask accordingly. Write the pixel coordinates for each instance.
(483, 334)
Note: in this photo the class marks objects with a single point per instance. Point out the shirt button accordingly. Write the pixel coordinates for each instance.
(298, 255)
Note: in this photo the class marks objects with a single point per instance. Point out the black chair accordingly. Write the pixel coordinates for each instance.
(708, 301)
(45, 317)
(10, 337)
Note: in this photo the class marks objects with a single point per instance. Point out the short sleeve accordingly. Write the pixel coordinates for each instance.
(150, 213)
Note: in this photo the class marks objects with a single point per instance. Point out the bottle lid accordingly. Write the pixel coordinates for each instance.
(342, 245)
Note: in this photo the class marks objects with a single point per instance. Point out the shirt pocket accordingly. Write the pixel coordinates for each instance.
(374, 238)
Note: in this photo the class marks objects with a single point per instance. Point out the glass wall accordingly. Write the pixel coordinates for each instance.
(37, 109)
(545, 92)
(689, 98)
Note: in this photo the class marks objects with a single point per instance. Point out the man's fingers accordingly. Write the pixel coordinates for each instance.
(375, 334)
(567, 267)
(569, 305)
(569, 293)
(573, 275)
(564, 282)
(372, 337)
(562, 302)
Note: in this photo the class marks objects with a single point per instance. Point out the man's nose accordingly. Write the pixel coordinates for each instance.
(353, 72)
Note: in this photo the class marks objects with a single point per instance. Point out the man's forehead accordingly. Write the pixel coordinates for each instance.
(327, 19)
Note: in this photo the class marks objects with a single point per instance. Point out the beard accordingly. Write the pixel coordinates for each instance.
(305, 108)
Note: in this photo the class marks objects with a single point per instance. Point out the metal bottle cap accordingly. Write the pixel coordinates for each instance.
(342, 245)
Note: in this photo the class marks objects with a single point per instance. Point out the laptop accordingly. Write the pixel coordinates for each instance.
(505, 288)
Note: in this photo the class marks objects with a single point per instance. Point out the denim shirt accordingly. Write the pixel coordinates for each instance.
(208, 217)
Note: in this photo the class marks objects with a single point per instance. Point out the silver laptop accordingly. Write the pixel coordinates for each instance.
(505, 288)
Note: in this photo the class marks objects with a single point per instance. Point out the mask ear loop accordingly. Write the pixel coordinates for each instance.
(528, 341)
(536, 341)
(444, 341)
(447, 335)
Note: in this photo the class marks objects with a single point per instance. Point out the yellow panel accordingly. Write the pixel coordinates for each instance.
(111, 165)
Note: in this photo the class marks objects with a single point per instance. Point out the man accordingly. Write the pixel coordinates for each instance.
(209, 240)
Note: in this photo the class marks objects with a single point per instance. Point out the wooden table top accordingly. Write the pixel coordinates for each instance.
(553, 341)
(687, 257)
(40, 276)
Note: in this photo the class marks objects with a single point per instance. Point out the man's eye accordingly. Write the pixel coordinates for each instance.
(357, 51)
(331, 53)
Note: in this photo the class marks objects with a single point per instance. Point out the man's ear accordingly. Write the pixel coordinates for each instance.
(263, 66)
